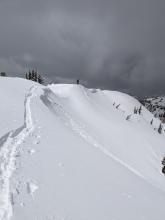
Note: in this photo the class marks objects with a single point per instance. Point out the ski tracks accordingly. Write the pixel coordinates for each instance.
(50, 100)
(8, 149)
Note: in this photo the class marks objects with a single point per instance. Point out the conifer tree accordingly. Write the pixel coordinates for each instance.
(27, 76)
(40, 79)
(3, 73)
(33, 75)
(30, 75)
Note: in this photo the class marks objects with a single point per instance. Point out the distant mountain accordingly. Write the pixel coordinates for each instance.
(156, 106)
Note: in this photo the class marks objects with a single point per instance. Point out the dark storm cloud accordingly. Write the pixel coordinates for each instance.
(114, 44)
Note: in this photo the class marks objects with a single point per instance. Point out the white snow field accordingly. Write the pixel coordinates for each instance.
(68, 153)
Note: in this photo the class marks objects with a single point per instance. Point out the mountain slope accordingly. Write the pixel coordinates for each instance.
(75, 156)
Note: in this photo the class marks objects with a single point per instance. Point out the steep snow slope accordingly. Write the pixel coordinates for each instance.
(75, 156)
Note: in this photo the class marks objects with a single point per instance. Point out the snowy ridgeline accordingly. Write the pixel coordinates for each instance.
(71, 153)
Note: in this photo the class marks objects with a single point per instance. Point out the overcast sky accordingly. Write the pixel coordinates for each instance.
(112, 44)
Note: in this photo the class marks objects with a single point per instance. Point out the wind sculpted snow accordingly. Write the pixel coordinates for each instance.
(75, 156)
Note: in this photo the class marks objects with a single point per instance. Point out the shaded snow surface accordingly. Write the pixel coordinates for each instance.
(68, 153)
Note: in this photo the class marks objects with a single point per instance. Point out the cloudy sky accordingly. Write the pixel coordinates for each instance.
(111, 44)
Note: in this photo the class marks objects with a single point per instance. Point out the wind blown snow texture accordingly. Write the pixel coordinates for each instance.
(75, 156)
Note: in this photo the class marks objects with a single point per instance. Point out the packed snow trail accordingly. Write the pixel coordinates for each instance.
(8, 150)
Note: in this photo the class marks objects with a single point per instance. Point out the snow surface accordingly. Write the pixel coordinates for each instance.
(68, 153)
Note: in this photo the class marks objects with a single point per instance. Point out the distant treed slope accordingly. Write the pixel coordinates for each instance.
(156, 106)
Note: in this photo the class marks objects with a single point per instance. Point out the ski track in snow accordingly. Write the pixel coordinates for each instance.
(49, 99)
(8, 150)
(64, 116)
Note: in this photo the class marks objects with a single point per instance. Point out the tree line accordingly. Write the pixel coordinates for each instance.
(34, 76)
(31, 75)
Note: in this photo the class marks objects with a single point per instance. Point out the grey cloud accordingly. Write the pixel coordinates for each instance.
(112, 44)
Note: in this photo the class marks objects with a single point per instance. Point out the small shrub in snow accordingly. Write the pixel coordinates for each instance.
(140, 110)
(160, 129)
(163, 161)
(151, 122)
(128, 117)
(135, 110)
(163, 170)
(117, 106)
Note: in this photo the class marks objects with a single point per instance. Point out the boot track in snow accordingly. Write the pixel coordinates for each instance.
(8, 149)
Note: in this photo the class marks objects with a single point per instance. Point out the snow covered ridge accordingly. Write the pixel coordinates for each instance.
(68, 153)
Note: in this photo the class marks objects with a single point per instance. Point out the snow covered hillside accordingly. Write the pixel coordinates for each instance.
(72, 153)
